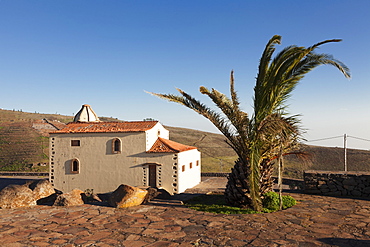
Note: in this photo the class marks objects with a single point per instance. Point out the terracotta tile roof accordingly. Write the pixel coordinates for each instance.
(167, 146)
(104, 127)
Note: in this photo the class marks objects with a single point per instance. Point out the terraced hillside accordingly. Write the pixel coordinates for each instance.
(24, 138)
(20, 144)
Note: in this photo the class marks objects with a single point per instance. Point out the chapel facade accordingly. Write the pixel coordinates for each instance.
(90, 154)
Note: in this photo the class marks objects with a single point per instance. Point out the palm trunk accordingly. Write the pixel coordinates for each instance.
(237, 188)
(267, 181)
(237, 192)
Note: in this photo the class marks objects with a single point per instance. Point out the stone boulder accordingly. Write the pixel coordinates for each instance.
(26, 195)
(92, 198)
(72, 198)
(42, 189)
(152, 193)
(127, 196)
(15, 196)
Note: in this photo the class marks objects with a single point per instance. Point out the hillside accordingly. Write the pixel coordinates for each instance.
(328, 158)
(217, 156)
(24, 140)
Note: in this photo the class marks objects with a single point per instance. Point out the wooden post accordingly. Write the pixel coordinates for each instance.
(345, 152)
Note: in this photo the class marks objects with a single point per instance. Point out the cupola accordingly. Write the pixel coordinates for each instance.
(86, 114)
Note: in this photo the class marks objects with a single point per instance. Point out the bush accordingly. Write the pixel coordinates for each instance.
(271, 201)
(288, 202)
(215, 203)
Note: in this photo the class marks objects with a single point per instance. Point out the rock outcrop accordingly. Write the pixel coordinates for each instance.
(127, 196)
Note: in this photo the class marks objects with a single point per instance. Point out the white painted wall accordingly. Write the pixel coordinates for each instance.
(191, 176)
(152, 135)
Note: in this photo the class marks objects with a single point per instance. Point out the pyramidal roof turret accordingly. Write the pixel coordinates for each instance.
(86, 114)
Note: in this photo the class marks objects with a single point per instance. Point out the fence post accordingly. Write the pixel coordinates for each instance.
(345, 152)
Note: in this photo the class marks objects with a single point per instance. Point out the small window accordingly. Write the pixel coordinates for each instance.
(191, 165)
(75, 143)
(116, 146)
(75, 166)
(183, 168)
(197, 163)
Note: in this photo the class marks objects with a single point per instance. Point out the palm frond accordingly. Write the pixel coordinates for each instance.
(234, 96)
(265, 59)
(235, 115)
(238, 119)
(214, 117)
(313, 47)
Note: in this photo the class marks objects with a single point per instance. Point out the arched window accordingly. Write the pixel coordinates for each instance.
(75, 166)
(116, 146)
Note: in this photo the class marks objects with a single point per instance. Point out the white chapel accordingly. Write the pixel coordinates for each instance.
(90, 154)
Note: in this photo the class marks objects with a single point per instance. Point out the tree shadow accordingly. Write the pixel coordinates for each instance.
(345, 242)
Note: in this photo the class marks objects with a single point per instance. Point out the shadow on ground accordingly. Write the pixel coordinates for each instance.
(345, 242)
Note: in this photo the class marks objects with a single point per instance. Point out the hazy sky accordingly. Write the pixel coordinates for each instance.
(57, 55)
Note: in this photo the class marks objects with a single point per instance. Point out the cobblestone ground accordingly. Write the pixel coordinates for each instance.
(314, 221)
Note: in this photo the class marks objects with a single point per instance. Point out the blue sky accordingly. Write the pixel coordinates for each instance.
(57, 55)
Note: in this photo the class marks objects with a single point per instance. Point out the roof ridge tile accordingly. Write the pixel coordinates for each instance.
(163, 145)
(102, 127)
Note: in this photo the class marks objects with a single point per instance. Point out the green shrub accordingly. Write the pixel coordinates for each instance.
(271, 201)
(215, 203)
(220, 209)
(288, 202)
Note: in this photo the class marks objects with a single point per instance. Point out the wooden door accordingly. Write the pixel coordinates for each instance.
(152, 175)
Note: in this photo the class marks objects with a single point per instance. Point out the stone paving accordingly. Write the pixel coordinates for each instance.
(314, 221)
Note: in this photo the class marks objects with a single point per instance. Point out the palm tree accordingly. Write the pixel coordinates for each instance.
(269, 133)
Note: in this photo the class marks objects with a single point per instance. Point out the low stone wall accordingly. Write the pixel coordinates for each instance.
(293, 183)
(337, 183)
(17, 174)
(214, 174)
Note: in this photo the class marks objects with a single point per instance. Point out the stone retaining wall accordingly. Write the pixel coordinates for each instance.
(214, 174)
(337, 183)
(292, 182)
(33, 174)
